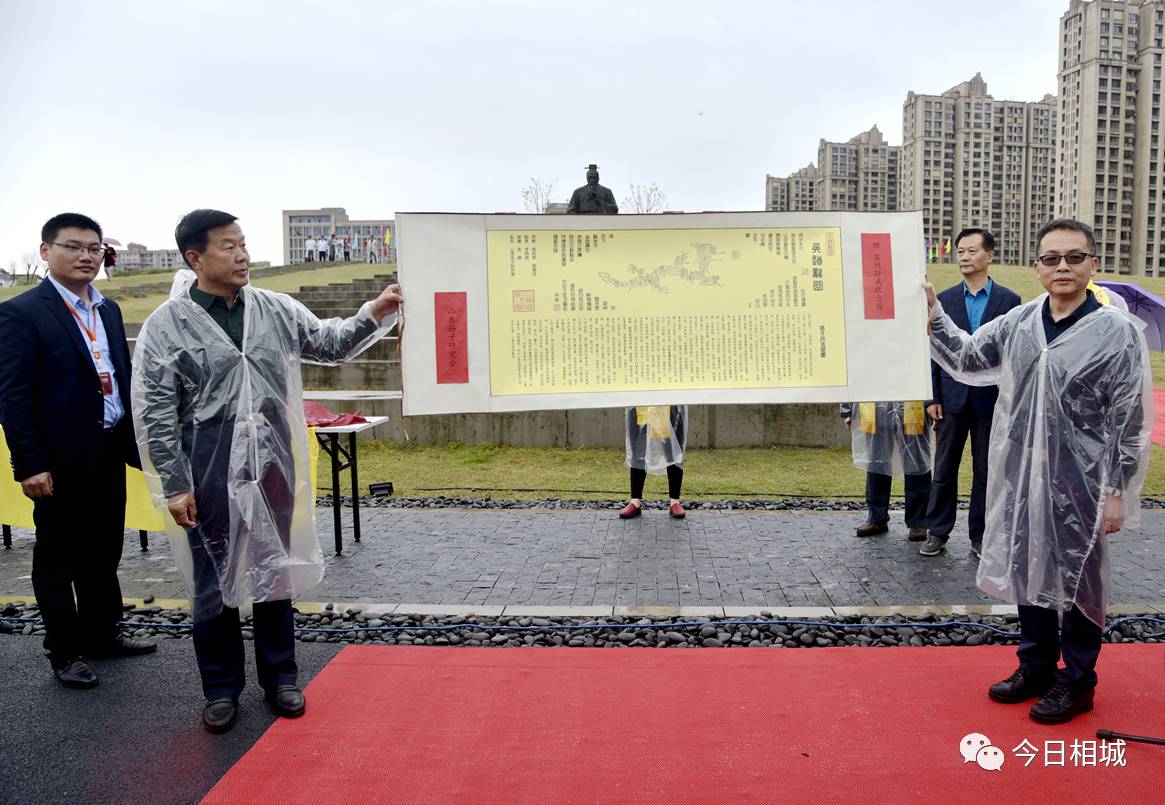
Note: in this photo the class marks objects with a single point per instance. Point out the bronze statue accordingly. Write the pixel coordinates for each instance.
(592, 197)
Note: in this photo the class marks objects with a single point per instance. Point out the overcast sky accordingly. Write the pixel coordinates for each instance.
(135, 112)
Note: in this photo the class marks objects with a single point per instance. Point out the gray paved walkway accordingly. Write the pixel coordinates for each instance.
(456, 557)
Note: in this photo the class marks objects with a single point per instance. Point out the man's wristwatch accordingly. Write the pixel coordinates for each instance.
(1116, 493)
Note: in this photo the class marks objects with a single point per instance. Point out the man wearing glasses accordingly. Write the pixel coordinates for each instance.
(1069, 452)
(64, 405)
(957, 410)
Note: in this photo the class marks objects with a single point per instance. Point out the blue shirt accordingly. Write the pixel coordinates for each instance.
(87, 310)
(977, 303)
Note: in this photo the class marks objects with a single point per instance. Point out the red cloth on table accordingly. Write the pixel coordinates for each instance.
(320, 417)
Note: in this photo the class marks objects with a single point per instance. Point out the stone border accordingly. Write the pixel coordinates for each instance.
(648, 611)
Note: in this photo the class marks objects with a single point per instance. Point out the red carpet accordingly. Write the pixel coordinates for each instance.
(388, 724)
(1159, 422)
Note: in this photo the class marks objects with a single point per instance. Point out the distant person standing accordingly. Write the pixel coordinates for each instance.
(322, 247)
(891, 438)
(959, 410)
(371, 251)
(657, 436)
(347, 250)
(309, 250)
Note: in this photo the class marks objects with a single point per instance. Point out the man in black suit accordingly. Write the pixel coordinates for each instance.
(957, 409)
(64, 405)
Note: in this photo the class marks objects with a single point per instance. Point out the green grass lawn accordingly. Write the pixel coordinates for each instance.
(528, 473)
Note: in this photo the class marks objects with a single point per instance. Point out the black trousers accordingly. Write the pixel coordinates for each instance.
(950, 438)
(79, 534)
(1044, 639)
(309, 257)
(878, 498)
(218, 641)
(675, 479)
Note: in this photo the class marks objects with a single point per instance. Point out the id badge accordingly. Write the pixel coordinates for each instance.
(106, 381)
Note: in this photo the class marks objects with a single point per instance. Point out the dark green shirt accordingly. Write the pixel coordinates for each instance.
(229, 319)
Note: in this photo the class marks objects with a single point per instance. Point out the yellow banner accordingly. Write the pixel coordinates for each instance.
(140, 514)
(630, 310)
(16, 509)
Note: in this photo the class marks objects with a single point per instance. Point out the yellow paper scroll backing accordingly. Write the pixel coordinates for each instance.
(631, 310)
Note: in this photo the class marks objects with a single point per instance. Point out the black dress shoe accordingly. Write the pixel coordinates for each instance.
(123, 646)
(76, 674)
(1060, 704)
(287, 701)
(1021, 686)
(219, 715)
(871, 529)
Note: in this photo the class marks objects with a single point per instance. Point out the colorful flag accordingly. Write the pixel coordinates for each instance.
(387, 236)
(948, 247)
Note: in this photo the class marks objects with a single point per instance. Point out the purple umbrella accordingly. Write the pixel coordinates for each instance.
(1146, 306)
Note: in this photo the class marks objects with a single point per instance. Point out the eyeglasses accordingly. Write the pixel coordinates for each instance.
(1072, 259)
(75, 249)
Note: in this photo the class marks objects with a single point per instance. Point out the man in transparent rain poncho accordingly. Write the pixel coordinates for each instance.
(218, 406)
(1068, 456)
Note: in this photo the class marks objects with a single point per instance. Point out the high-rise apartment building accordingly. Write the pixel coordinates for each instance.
(792, 193)
(969, 160)
(861, 174)
(1111, 160)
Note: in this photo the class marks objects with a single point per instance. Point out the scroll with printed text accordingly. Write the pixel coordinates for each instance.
(553, 311)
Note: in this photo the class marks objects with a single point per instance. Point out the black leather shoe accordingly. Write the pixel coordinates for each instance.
(1060, 704)
(287, 701)
(1021, 686)
(123, 646)
(219, 715)
(76, 674)
(871, 529)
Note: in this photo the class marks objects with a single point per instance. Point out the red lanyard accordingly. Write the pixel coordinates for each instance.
(89, 331)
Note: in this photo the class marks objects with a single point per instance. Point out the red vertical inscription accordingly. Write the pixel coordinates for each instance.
(877, 275)
(450, 318)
